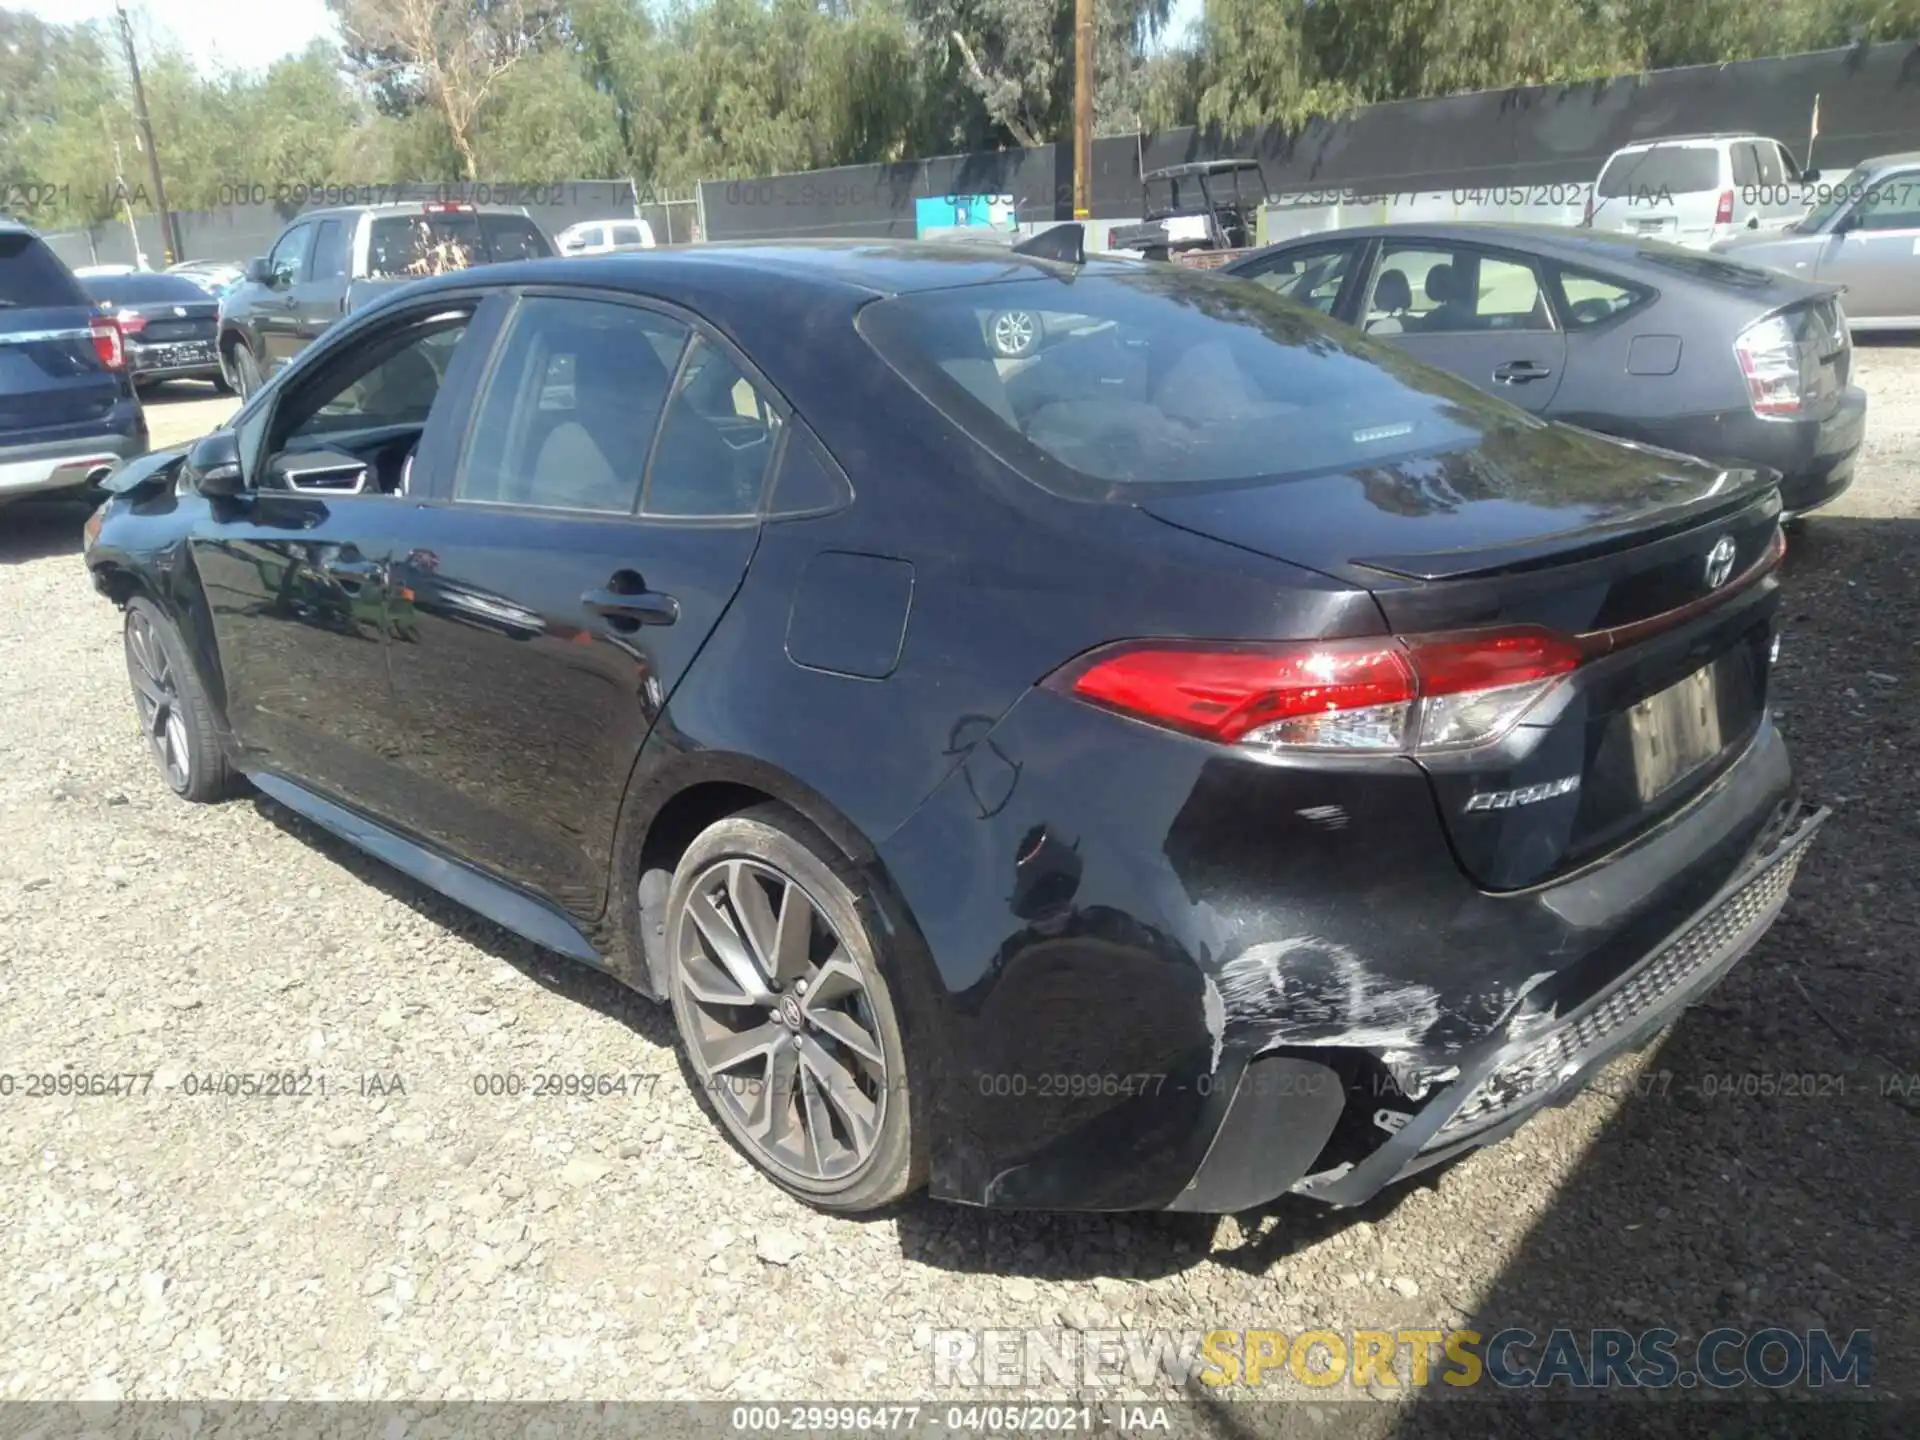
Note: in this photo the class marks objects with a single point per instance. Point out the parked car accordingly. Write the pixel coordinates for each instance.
(216, 277)
(330, 262)
(1697, 189)
(820, 676)
(167, 322)
(598, 237)
(68, 413)
(1643, 340)
(1864, 233)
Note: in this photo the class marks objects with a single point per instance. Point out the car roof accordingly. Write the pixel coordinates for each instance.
(1616, 250)
(1889, 162)
(872, 267)
(1708, 137)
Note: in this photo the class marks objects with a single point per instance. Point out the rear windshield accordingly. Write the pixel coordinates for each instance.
(403, 245)
(31, 275)
(1674, 169)
(145, 290)
(1164, 377)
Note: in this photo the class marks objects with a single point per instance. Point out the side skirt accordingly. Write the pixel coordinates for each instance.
(532, 918)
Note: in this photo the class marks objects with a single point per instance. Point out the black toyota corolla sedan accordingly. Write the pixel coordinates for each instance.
(1211, 757)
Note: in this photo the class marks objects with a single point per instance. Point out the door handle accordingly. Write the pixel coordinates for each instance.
(1519, 372)
(642, 607)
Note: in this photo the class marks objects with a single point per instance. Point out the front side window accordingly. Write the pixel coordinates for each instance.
(330, 251)
(569, 413)
(289, 257)
(1164, 378)
(1892, 202)
(394, 388)
(1308, 277)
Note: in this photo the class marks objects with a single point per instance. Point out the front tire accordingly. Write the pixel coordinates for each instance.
(246, 369)
(785, 1016)
(173, 710)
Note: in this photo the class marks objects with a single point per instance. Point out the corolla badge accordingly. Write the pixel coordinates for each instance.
(180, 311)
(1720, 562)
(1525, 795)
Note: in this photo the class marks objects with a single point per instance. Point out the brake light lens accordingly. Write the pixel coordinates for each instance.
(1723, 212)
(447, 207)
(1770, 361)
(107, 342)
(130, 322)
(1410, 694)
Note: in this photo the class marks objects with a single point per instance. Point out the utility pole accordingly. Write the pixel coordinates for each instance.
(120, 184)
(1083, 110)
(169, 236)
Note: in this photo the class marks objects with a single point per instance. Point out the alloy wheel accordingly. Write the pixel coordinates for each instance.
(782, 1029)
(157, 698)
(1014, 332)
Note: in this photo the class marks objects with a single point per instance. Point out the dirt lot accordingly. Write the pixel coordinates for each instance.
(440, 1243)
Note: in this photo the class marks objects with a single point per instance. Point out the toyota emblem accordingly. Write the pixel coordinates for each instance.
(180, 311)
(1720, 562)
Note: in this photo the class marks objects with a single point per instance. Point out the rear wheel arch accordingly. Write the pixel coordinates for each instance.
(664, 813)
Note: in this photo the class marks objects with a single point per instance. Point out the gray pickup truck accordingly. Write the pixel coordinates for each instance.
(328, 263)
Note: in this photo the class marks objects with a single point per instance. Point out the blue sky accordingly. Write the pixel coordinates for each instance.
(252, 34)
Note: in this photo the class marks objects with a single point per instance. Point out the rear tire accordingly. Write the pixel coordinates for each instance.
(784, 1013)
(174, 714)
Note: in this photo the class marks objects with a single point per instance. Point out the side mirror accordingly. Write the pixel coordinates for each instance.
(1809, 175)
(213, 465)
(259, 272)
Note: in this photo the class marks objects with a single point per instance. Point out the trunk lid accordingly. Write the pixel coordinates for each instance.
(1659, 564)
(51, 378)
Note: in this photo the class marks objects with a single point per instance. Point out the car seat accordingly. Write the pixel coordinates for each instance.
(1393, 294)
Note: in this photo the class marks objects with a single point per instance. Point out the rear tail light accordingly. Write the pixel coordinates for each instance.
(1396, 695)
(130, 322)
(1770, 360)
(1723, 212)
(107, 342)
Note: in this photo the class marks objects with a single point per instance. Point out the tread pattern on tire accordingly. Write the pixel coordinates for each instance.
(209, 776)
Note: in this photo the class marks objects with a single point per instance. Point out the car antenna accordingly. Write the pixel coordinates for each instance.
(1060, 242)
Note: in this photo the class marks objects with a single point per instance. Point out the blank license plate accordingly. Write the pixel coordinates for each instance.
(1675, 732)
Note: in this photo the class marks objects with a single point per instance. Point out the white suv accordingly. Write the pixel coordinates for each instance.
(1699, 189)
(598, 237)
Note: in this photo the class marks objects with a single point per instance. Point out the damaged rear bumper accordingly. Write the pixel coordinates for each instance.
(1539, 1058)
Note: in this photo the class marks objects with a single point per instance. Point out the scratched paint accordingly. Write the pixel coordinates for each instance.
(1310, 991)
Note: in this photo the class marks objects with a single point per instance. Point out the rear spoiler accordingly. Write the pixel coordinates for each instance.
(1735, 490)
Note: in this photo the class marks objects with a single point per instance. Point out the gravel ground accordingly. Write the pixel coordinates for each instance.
(405, 1237)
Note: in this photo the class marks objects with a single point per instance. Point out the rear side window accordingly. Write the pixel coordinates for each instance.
(626, 234)
(1771, 170)
(570, 411)
(1164, 377)
(31, 275)
(146, 290)
(1668, 170)
(717, 439)
(1594, 299)
(1423, 291)
(513, 237)
(1746, 165)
